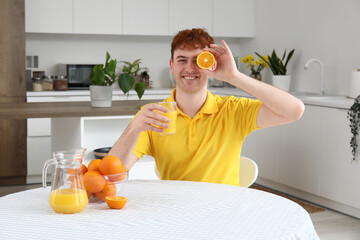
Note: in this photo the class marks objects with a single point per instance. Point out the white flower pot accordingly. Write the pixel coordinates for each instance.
(101, 96)
(282, 82)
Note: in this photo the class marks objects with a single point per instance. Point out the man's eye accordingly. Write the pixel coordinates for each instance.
(181, 60)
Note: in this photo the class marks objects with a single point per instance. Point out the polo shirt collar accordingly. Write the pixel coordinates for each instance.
(209, 107)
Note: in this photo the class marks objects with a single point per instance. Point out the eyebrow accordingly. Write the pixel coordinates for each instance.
(181, 57)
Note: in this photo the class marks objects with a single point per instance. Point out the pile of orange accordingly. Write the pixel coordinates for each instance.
(101, 176)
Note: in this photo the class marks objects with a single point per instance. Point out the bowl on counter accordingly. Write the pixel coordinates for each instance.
(99, 153)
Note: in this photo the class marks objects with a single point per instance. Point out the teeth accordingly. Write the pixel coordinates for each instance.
(189, 78)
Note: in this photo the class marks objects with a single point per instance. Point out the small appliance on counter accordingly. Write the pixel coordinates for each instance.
(78, 75)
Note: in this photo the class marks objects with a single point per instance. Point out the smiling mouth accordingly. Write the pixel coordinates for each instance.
(190, 77)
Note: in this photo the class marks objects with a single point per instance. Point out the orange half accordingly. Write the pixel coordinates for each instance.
(115, 202)
(205, 60)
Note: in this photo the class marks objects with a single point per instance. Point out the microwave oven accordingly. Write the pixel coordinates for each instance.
(78, 75)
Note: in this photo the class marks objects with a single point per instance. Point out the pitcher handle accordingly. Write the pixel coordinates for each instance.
(45, 167)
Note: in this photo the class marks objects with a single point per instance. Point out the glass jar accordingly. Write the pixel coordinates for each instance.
(37, 85)
(48, 83)
(60, 83)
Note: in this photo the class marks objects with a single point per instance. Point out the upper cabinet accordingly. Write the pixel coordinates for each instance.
(221, 18)
(49, 16)
(190, 14)
(233, 18)
(145, 17)
(98, 17)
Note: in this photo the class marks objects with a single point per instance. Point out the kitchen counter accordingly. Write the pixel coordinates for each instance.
(68, 109)
(314, 99)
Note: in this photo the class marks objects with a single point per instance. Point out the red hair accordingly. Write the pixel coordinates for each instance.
(191, 38)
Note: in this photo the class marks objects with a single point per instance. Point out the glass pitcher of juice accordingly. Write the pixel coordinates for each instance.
(68, 194)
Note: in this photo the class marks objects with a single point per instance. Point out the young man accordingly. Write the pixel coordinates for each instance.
(210, 128)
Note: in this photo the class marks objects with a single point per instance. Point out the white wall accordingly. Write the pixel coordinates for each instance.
(53, 49)
(323, 29)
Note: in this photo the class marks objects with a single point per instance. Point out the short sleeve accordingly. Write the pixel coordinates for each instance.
(248, 110)
(143, 146)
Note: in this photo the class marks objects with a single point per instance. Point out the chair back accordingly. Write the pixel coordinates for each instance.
(247, 175)
(248, 172)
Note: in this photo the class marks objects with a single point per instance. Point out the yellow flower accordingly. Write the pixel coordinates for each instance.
(244, 60)
(250, 58)
(256, 63)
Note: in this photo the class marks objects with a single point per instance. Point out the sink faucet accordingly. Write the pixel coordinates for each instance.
(322, 87)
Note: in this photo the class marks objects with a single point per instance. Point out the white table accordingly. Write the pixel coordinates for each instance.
(160, 210)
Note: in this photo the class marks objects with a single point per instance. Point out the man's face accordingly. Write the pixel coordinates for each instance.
(188, 76)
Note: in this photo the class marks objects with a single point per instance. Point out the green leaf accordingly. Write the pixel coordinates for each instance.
(140, 89)
(107, 57)
(110, 68)
(274, 66)
(126, 82)
(289, 57)
(136, 62)
(267, 62)
(282, 59)
(97, 75)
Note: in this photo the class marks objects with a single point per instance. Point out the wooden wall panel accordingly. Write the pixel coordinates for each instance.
(13, 162)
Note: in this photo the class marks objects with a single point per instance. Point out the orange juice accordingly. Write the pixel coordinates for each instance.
(68, 200)
(172, 124)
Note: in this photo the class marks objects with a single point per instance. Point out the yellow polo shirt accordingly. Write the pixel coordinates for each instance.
(207, 147)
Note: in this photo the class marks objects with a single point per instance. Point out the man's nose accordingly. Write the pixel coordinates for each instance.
(191, 66)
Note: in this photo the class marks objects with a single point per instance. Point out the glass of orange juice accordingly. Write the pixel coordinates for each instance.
(172, 115)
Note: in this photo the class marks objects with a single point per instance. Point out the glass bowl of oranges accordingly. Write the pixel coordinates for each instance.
(105, 178)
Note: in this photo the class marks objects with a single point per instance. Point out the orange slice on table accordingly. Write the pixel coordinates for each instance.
(205, 60)
(115, 202)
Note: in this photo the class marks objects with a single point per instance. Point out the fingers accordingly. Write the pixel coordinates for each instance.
(150, 118)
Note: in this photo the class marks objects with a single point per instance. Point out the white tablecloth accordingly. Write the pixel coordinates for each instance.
(160, 210)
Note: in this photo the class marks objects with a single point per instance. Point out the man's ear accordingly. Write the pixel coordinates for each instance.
(171, 65)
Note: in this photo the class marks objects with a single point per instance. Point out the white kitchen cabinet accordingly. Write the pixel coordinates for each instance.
(263, 147)
(38, 147)
(49, 16)
(300, 153)
(221, 18)
(144, 17)
(312, 155)
(98, 17)
(38, 127)
(339, 176)
(38, 151)
(187, 14)
(233, 18)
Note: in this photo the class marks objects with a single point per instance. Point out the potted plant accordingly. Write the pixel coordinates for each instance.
(256, 66)
(279, 68)
(354, 118)
(102, 77)
(129, 78)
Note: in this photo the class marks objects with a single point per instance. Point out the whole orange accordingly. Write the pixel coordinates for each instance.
(119, 176)
(108, 190)
(89, 194)
(94, 165)
(84, 169)
(111, 165)
(93, 181)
